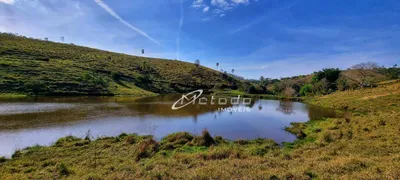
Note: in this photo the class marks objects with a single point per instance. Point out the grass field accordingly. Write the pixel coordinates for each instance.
(365, 144)
(37, 67)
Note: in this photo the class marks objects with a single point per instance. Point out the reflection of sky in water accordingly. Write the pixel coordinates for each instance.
(23, 108)
(44, 123)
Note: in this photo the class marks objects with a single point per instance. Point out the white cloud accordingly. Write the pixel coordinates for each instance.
(241, 1)
(198, 4)
(217, 11)
(7, 1)
(220, 7)
(115, 15)
(206, 9)
(222, 4)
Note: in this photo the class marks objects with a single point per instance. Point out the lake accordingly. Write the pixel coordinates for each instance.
(42, 120)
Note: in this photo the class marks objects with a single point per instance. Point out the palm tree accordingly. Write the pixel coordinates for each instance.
(217, 65)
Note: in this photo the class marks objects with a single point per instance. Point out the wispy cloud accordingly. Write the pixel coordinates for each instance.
(219, 7)
(115, 15)
(178, 39)
(264, 17)
(7, 1)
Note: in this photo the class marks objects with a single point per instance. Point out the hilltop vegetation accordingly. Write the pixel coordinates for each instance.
(325, 81)
(37, 67)
(363, 144)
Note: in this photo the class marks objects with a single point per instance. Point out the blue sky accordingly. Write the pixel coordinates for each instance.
(270, 38)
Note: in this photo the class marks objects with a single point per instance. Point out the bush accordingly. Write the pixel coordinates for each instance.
(306, 90)
(36, 87)
(289, 92)
(321, 87)
(116, 76)
(2, 159)
(204, 140)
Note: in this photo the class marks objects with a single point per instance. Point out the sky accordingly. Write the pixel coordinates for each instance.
(270, 38)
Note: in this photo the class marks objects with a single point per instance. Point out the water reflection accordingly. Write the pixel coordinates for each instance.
(42, 121)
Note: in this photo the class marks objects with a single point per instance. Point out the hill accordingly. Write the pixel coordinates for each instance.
(32, 66)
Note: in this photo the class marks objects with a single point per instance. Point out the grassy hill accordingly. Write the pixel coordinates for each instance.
(31, 66)
(364, 144)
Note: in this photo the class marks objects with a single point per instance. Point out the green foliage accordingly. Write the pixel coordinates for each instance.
(2, 159)
(36, 87)
(306, 90)
(252, 90)
(392, 72)
(116, 76)
(330, 74)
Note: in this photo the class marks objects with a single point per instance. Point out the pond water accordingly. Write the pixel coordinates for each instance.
(43, 120)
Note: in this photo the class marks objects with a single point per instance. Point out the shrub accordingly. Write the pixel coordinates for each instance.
(289, 92)
(204, 140)
(36, 87)
(2, 159)
(116, 76)
(63, 170)
(306, 90)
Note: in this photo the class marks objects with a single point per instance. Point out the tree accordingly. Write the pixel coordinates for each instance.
(46, 39)
(252, 90)
(329, 75)
(217, 65)
(62, 38)
(362, 73)
(142, 52)
(197, 62)
(233, 71)
(365, 66)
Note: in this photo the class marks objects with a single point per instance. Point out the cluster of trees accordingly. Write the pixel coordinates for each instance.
(326, 80)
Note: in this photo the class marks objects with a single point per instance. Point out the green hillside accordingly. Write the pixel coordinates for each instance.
(37, 67)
